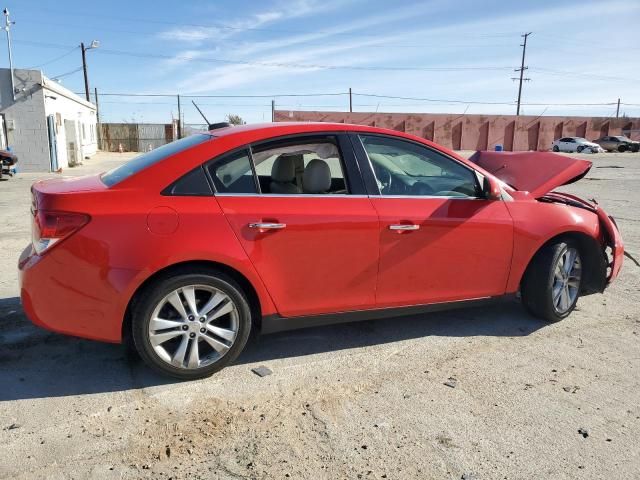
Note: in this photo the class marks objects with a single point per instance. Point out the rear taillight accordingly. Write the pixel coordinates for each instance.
(50, 227)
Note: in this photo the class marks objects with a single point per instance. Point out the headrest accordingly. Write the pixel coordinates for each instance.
(284, 169)
(317, 177)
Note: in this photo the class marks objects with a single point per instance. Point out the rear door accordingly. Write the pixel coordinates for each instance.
(440, 240)
(315, 247)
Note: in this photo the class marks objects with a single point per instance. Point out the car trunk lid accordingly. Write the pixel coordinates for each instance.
(535, 172)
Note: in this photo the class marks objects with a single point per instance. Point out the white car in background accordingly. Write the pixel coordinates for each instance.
(576, 144)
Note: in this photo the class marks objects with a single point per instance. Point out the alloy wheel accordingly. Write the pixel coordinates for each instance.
(193, 326)
(566, 280)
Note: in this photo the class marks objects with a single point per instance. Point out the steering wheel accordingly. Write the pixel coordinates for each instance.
(383, 179)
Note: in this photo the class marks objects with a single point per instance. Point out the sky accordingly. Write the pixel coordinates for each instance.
(437, 55)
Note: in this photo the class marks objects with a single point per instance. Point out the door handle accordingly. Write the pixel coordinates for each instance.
(403, 228)
(267, 226)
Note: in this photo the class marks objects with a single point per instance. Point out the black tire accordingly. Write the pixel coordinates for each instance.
(622, 148)
(537, 284)
(556, 148)
(155, 292)
(580, 149)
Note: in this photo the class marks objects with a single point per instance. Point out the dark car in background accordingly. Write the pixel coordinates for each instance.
(618, 143)
(7, 161)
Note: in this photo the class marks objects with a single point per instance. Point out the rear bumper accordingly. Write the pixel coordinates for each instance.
(61, 293)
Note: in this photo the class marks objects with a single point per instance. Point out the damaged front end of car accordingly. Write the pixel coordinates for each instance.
(539, 173)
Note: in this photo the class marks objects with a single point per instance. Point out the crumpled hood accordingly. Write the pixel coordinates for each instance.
(535, 172)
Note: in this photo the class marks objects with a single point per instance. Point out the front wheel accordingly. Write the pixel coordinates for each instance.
(191, 325)
(622, 148)
(551, 285)
(580, 149)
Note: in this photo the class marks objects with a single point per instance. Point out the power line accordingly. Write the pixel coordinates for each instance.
(431, 99)
(54, 59)
(282, 64)
(66, 73)
(583, 74)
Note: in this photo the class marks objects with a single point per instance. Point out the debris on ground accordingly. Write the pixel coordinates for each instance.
(261, 371)
(573, 389)
(451, 382)
(13, 426)
(584, 432)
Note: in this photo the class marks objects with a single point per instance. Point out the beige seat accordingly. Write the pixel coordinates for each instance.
(283, 176)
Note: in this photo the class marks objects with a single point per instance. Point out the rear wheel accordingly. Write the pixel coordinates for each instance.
(190, 326)
(551, 285)
(580, 149)
(622, 148)
(556, 148)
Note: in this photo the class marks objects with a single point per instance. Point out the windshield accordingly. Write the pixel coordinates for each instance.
(580, 139)
(147, 159)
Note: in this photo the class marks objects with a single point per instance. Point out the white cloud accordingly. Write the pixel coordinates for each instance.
(197, 34)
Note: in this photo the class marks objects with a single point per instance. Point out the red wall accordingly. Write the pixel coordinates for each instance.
(479, 132)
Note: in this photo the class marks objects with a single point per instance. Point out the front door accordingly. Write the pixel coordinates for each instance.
(310, 233)
(440, 240)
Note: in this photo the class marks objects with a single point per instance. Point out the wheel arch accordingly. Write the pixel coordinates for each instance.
(592, 255)
(191, 266)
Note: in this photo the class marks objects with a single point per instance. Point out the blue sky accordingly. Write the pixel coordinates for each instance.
(580, 52)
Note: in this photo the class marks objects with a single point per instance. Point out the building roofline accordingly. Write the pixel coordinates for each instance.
(52, 86)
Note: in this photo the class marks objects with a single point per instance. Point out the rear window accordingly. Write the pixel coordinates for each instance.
(147, 159)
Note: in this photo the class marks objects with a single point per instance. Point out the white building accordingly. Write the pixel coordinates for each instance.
(47, 126)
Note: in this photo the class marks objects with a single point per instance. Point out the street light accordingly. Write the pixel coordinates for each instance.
(94, 44)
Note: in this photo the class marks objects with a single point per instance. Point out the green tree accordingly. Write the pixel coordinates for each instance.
(234, 119)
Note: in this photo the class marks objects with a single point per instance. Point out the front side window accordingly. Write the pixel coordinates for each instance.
(406, 168)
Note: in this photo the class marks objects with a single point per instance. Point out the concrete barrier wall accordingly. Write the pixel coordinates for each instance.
(479, 132)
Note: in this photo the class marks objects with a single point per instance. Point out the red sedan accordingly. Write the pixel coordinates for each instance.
(187, 248)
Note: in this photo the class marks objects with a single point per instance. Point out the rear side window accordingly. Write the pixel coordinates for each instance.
(147, 159)
(233, 173)
(193, 183)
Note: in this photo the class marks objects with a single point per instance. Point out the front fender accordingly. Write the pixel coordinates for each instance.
(535, 223)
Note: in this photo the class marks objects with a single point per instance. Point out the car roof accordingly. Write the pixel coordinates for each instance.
(284, 128)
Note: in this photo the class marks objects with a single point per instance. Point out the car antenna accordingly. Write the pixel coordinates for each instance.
(200, 112)
(211, 126)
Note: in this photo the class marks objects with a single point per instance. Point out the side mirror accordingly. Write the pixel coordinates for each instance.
(491, 189)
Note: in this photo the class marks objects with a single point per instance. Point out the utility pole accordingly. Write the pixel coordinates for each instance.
(273, 111)
(94, 44)
(7, 28)
(95, 90)
(84, 69)
(618, 109)
(521, 70)
(179, 120)
(350, 101)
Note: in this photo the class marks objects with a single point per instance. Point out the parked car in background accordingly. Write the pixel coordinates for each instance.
(8, 161)
(618, 143)
(575, 144)
(188, 248)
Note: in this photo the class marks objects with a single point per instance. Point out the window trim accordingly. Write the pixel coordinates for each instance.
(372, 184)
(233, 151)
(348, 162)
